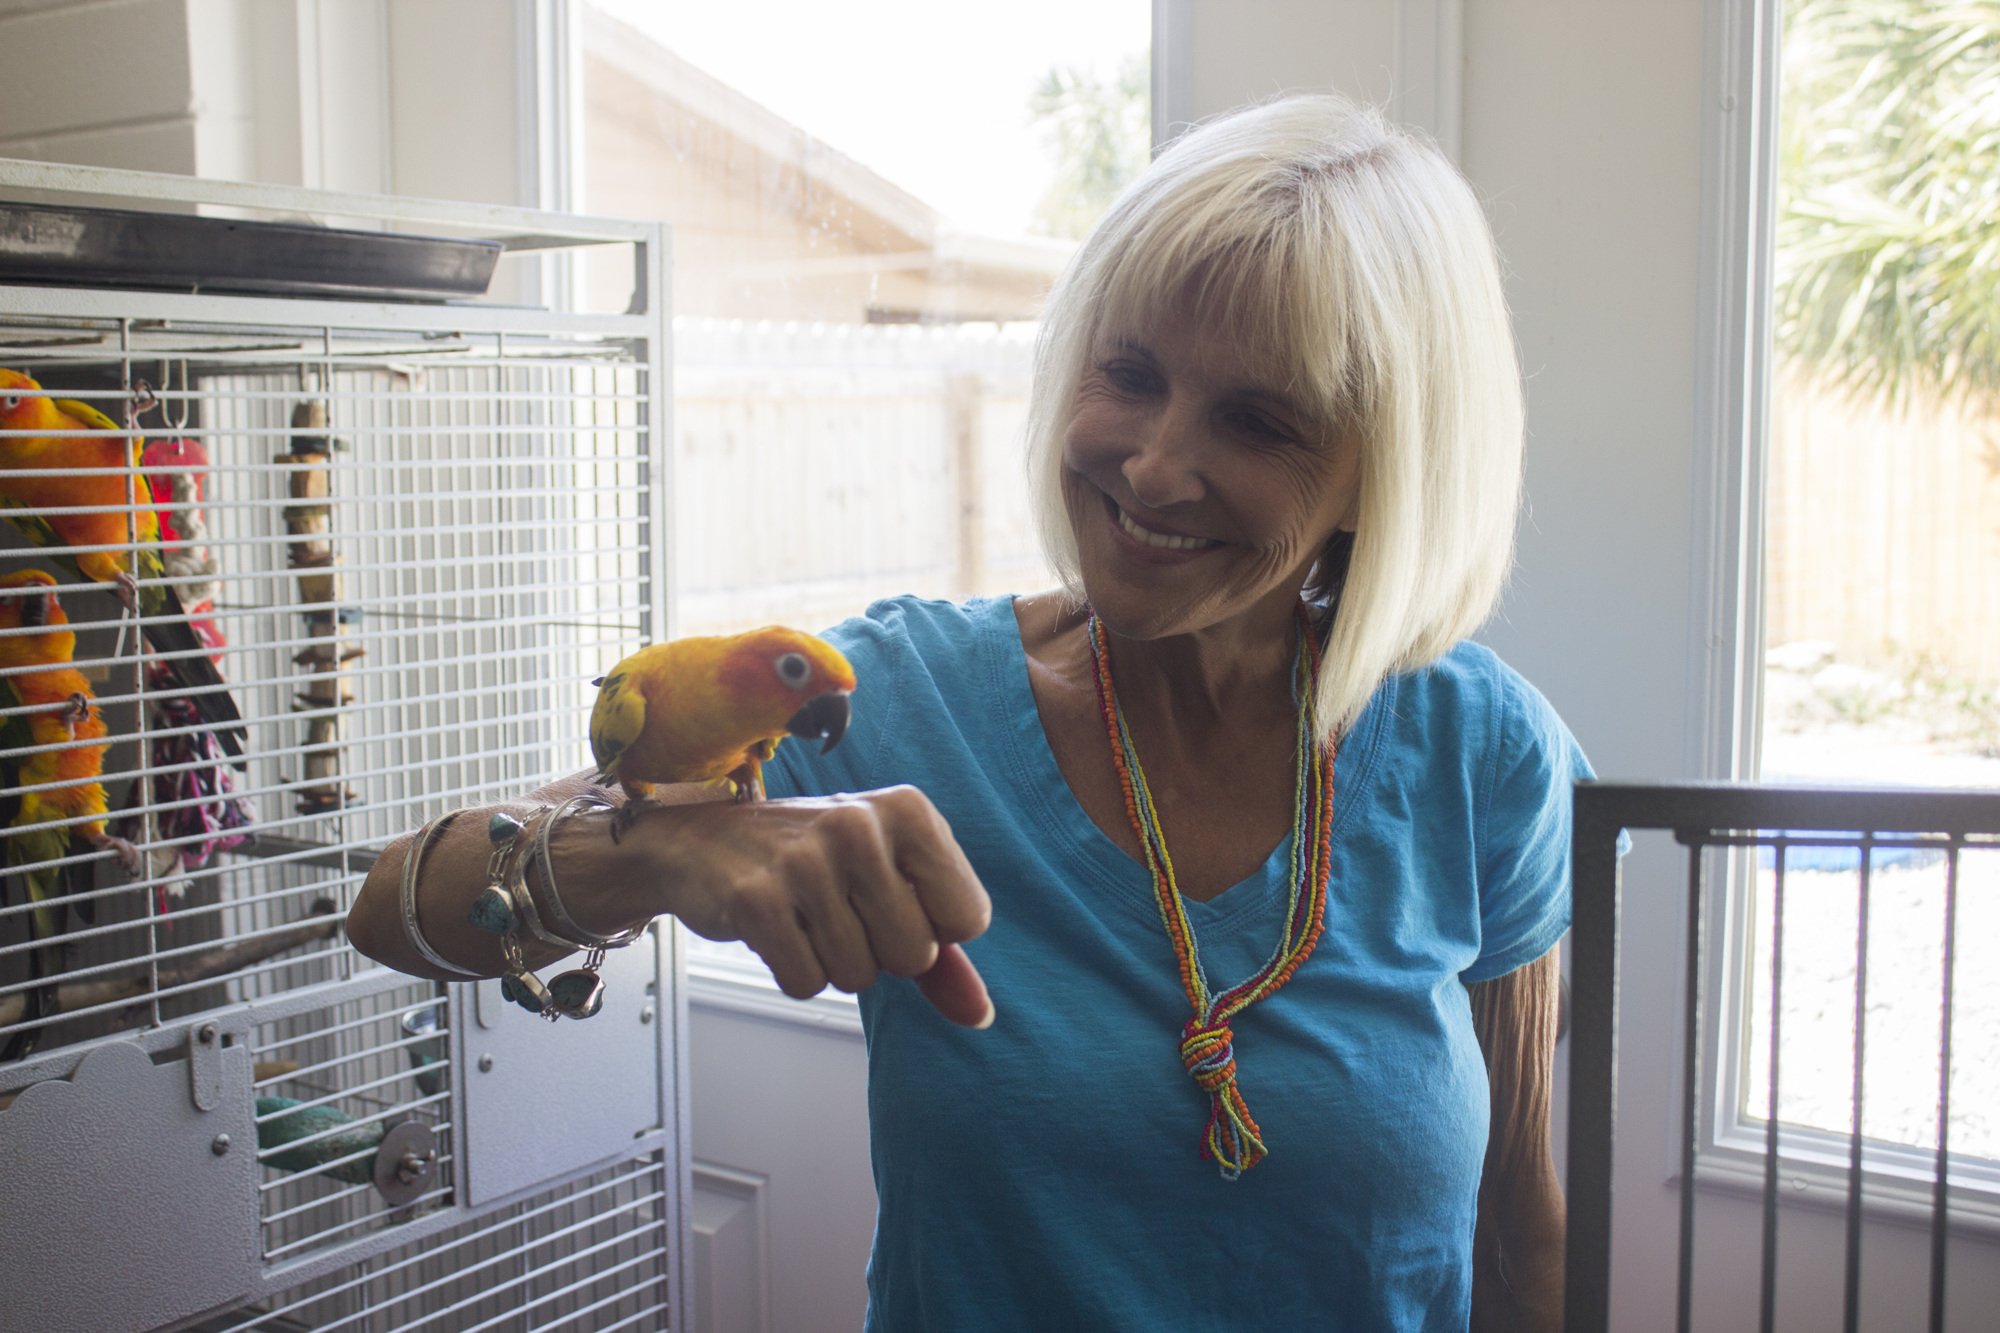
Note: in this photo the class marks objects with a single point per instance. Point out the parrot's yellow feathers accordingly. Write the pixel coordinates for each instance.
(86, 414)
(617, 721)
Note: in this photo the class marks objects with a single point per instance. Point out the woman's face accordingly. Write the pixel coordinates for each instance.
(1200, 491)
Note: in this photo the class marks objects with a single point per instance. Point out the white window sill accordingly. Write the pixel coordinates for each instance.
(1812, 1173)
(726, 984)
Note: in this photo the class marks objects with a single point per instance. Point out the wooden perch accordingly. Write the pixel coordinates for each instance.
(202, 967)
(314, 563)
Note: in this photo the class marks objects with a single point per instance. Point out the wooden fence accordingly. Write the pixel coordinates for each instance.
(1884, 532)
(822, 466)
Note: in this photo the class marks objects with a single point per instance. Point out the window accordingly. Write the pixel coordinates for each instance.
(1881, 579)
(865, 223)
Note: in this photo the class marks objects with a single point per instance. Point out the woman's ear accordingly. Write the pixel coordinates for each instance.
(1329, 575)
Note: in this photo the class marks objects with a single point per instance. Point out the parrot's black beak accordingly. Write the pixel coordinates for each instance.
(824, 716)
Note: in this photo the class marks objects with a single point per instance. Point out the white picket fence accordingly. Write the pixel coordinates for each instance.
(821, 466)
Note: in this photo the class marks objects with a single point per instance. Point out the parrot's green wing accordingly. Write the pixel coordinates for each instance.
(616, 722)
(37, 530)
(30, 843)
(16, 732)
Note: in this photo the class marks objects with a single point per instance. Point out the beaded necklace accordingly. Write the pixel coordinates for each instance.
(1207, 1043)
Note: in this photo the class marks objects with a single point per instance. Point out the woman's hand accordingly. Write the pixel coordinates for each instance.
(835, 889)
(827, 890)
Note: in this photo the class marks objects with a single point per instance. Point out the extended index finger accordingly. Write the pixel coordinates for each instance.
(929, 857)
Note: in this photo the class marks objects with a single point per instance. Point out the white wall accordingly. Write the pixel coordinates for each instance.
(106, 84)
(443, 99)
(438, 98)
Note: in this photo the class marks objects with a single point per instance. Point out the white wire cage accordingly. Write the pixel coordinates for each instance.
(405, 536)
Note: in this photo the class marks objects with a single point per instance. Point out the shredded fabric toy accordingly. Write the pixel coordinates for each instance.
(192, 792)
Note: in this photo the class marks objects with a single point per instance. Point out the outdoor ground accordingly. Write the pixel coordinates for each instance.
(1912, 725)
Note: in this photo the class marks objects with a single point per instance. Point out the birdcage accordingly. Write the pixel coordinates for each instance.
(383, 542)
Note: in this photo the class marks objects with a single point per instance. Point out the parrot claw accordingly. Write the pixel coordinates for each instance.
(128, 855)
(127, 589)
(748, 780)
(621, 823)
(77, 710)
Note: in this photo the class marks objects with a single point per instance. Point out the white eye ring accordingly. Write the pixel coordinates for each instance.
(793, 670)
(13, 401)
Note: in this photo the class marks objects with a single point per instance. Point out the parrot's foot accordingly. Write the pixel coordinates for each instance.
(622, 821)
(127, 589)
(128, 855)
(77, 710)
(749, 783)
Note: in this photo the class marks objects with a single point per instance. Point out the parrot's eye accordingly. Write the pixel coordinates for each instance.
(13, 401)
(794, 670)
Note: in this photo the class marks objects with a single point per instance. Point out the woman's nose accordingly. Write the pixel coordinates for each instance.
(1166, 467)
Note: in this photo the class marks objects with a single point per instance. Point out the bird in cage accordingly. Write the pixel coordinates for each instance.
(54, 784)
(713, 710)
(104, 500)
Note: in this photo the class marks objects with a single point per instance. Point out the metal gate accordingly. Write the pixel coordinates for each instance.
(407, 535)
(1715, 821)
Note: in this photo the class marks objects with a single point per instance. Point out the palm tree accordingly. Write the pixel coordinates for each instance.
(1888, 238)
(1099, 130)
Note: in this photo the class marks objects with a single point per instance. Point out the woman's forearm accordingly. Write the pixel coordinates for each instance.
(826, 889)
(1517, 1249)
(595, 876)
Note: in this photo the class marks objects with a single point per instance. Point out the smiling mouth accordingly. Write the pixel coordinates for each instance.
(1159, 540)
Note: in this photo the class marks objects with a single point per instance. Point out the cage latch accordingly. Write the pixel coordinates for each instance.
(205, 1064)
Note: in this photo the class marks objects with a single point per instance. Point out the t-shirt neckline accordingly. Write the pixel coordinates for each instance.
(1085, 846)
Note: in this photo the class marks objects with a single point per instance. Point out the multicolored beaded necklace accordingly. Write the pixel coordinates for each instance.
(1207, 1043)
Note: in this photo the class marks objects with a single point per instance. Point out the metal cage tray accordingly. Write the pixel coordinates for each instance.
(180, 252)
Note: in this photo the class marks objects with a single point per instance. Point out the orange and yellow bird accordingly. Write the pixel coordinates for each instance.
(104, 495)
(714, 709)
(56, 778)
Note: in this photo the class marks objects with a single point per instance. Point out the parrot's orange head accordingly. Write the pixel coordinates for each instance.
(798, 682)
(33, 607)
(17, 411)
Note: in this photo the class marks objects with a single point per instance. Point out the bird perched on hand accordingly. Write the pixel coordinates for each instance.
(714, 709)
(35, 649)
(104, 502)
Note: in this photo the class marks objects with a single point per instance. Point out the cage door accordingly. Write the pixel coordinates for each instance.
(545, 1100)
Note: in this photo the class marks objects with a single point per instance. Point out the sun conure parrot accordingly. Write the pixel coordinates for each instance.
(104, 503)
(65, 712)
(714, 709)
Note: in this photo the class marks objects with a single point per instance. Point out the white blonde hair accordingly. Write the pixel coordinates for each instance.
(1356, 257)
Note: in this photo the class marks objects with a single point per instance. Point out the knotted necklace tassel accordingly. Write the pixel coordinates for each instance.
(1208, 1051)
(1207, 1043)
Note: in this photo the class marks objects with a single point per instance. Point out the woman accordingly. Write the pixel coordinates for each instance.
(1250, 1010)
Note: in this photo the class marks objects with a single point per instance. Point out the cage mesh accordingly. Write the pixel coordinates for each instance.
(408, 554)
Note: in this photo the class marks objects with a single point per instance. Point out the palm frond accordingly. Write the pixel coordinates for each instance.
(1888, 239)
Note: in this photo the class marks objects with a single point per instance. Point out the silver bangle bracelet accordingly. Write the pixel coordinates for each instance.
(412, 863)
(573, 935)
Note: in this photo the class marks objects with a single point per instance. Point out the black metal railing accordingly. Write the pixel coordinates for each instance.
(1730, 815)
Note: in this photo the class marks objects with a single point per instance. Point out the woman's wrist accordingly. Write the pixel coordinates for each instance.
(607, 887)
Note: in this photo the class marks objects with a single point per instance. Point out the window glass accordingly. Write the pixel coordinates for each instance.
(869, 203)
(1882, 556)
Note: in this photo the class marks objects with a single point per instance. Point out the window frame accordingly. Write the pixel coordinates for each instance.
(1726, 633)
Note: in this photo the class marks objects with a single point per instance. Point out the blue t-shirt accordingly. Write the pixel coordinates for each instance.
(1045, 1173)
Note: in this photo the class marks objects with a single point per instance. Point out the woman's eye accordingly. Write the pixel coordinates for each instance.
(1259, 426)
(793, 670)
(1130, 379)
